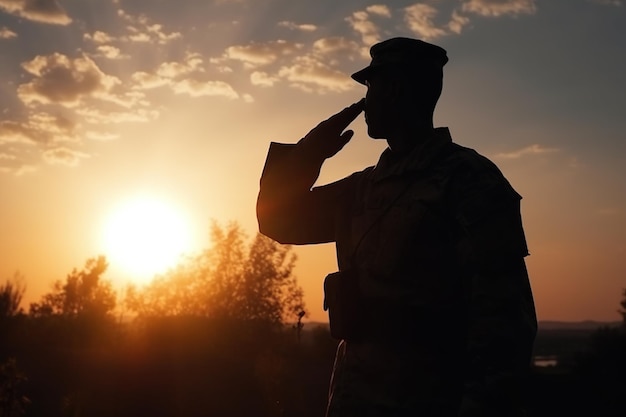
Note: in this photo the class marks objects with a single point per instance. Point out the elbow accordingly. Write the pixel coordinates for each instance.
(272, 223)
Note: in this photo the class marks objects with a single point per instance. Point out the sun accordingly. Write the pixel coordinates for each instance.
(145, 236)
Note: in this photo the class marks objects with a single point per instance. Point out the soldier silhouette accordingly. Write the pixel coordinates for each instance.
(432, 302)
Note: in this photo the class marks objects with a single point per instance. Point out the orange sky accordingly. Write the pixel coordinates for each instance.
(101, 102)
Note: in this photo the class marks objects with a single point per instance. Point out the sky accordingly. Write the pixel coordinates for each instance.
(173, 103)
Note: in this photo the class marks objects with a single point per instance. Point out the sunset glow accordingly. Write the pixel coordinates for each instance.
(145, 236)
(180, 99)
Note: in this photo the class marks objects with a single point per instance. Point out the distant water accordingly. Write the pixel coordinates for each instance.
(545, 361)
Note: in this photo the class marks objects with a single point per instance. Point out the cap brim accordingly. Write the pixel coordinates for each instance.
(362, 75)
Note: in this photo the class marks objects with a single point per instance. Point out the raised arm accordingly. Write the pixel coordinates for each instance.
(289, 210)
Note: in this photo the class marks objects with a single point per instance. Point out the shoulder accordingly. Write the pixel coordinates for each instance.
(466, 163)
(476, 187)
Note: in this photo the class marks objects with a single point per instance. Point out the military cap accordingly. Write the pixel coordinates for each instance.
(402, 53)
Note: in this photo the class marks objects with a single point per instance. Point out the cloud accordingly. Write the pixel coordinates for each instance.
(258, 54)
(13, 132)
(360, 22)
(156, 32)
(315, 71)
(311, 74)
(139, 37)
(496, 8)
(6, 33)
(153, 34)
(101, 136)
(196, 88)
(457, 22)
(59, 79)
(142, 30)
(111, 52)
(185, 77)
(419, 18)
(534, 149)
(306, 27)
(63, 156)
(44, 11)
(39, 128)
(96, 116)
(262, 79)
(192, 62)
(379, 9)
(170, 74)
(336, 45)
(145, 80)
(99, 37)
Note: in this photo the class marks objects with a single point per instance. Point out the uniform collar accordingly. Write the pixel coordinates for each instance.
(418, 159)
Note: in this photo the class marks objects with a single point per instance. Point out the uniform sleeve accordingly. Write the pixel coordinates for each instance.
(500, 310)
(289, 209)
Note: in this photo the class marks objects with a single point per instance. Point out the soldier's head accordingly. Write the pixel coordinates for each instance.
(404, 82)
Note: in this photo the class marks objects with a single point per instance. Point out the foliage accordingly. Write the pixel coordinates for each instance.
(12, 400)
(230, 280)
(11, 294)
(83, 294)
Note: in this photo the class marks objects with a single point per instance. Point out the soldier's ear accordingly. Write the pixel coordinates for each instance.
(398, 92)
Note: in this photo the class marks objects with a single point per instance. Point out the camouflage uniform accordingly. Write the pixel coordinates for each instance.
(437, 241)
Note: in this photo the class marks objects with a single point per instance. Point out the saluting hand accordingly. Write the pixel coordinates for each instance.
(329, 137)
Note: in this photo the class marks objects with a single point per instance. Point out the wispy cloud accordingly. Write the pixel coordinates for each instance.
(6, 33)
(99, 37)
(534, 149)
(259, 54)
(362, 24)
(167, 72)
(39, 128)
(497, 8)
(379, 9)
(184, 77)
(420, 20)
(111, 52)
(44, 11)
(63, 156)
(198, 88)
(262, 79)
(142, 30)
(336, 45)
(304, 27)
(457, 22)
(312, 75)
(101, 136)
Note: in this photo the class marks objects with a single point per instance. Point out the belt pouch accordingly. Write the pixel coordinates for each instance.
(343, 300)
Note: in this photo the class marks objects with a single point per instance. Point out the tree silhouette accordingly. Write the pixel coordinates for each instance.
(13, 402)
(229, 280)
(622, 311)
(83, 294)
(11, 294)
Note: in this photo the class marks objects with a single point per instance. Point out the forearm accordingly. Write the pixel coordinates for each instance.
(288, 209)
